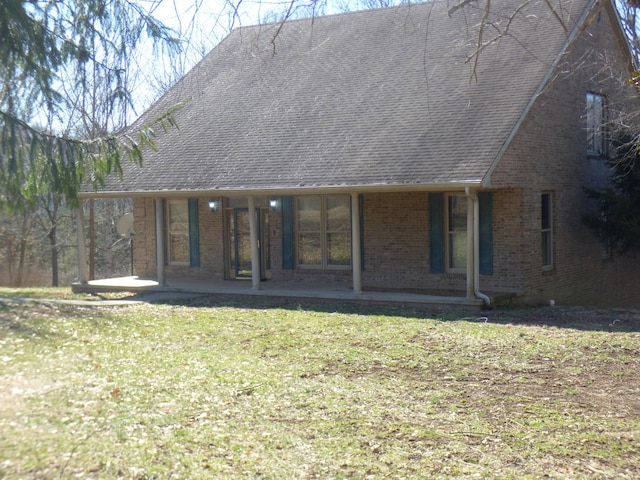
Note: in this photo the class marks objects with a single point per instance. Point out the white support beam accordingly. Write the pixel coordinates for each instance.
(356, 246)
(470, 243)
(82, 248)
(255, 252)
(160, 240)
(476, 252)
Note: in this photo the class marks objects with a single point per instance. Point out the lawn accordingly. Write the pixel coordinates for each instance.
(236, 388)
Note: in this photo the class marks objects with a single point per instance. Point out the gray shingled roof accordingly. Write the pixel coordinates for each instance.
(379, 97)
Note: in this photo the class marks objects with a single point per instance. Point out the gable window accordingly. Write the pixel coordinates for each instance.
(596, 131)
(546, 216)
(324, 231)
(456, 232)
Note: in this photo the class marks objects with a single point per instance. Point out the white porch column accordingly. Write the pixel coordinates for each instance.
(470, 243)
(356, 257)
(82, 248)
(160, 240)
(255, 253)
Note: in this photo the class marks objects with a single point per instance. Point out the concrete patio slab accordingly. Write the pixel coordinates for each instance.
(272, 289)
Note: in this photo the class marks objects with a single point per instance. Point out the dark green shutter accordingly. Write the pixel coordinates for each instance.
(287, 233)
(485, 205)
(436, 232)
(194, 234)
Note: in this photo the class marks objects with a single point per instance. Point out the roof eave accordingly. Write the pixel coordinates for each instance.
(281, 191)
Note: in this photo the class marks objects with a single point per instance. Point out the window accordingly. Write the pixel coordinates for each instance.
(546, 230)
(444, 249)
(596, 131)
(324, 231)
(178, 232)
(456, 232)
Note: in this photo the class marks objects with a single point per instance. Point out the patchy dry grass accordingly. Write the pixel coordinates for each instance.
(218, 389)
(58, 293)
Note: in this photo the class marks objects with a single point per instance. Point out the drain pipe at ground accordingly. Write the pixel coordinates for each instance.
(476, 247)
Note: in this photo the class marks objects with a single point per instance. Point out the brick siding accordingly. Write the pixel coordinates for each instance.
(548, 154)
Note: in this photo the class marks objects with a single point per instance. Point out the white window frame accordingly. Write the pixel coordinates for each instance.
(546, 231)
(324, 233)
(173, 230)
(596, 118)
(449, 233)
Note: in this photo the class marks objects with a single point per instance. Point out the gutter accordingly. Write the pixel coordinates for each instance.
(279, 191)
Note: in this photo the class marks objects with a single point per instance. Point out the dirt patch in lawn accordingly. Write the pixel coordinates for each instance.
(580, 318)
(232, 388)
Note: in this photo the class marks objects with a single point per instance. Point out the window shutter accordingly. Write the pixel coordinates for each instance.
(287, 233)
(485, 206)
(194, 234)
(436, 232)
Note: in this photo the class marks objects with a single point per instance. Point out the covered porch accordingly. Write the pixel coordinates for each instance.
(463, 293)
(289, 290)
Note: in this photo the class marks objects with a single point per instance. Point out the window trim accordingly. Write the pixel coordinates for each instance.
(596, 129)
(448, 232)
(324, 265)
(169, 232)
(547, 263)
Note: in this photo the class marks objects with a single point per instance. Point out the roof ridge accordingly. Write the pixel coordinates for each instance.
(387, 102)
(362, 11)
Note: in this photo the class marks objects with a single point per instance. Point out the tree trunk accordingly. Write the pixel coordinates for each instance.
(20, 275)
(23, 250)
(52, 234)
(9, 259)
(54, 256)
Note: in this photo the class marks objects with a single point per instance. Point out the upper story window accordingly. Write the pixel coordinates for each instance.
(324, 231)
(596, 120)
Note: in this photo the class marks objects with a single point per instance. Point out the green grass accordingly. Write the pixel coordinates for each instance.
(260, 389)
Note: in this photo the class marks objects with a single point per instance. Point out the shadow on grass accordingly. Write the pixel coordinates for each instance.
(576, 318)
(29, 319)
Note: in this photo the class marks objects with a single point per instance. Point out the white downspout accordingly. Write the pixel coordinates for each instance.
(476, 247)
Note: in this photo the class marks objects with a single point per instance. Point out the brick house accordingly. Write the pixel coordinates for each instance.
(376, 151)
